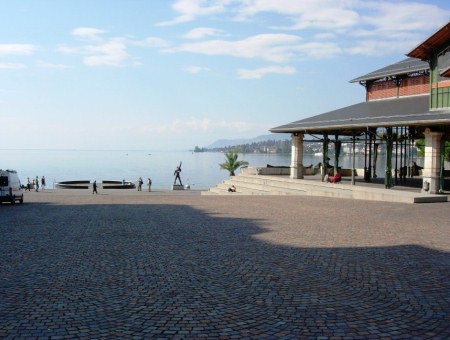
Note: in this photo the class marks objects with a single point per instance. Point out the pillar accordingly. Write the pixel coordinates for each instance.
(432, 162)
(296, 155)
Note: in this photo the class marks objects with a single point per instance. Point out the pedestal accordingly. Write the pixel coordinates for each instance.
(177, 187)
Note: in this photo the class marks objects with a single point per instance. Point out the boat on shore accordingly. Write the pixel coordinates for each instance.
(111, 184)
(84, 184)
(72, 185)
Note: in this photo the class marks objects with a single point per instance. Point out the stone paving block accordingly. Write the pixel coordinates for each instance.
(133, 267)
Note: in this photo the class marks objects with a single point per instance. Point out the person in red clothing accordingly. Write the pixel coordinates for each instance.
(336, 178)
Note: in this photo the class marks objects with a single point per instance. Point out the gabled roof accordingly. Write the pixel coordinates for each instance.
(405, 111)
(433, 44)
(406, 66)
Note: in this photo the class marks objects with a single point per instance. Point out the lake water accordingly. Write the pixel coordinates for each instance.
(199, 170)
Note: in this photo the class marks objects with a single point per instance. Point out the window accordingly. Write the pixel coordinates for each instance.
(3, 181)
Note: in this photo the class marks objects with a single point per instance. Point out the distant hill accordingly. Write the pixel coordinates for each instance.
(231, 142)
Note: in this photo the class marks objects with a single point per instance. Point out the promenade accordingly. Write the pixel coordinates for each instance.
(172, 265)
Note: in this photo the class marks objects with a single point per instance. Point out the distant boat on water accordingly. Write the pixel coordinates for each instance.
(318, 153)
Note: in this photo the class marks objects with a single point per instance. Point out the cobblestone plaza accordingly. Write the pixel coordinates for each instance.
(139, 265)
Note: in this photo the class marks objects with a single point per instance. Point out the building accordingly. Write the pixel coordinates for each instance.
(406, 101)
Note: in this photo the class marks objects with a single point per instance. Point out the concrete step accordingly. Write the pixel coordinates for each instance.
(256, 189)
(282, 185)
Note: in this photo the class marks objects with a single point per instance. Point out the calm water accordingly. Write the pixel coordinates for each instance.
(200, 170)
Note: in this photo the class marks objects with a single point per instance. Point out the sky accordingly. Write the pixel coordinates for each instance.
(175, 74)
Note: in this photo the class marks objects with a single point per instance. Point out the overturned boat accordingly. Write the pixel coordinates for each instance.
(118, 185)
(72, 185)
(84, 184)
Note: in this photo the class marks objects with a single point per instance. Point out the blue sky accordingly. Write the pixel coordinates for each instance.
(169, 75)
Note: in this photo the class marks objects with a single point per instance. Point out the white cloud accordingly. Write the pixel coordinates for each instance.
(88, 33)
(372, 47)
(101, 50)
(260, 72)
(394, 27)
(17, 49)
(191, 9)
(110, 52)
(152, 42)
(346, 23)
(306, 13)
(202, 32)
(404, 16)
(195, 69)
(11, 66)
(325, 36)
(271, 47)
(277, 48)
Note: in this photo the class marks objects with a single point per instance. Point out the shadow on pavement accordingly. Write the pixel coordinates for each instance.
(131, 271)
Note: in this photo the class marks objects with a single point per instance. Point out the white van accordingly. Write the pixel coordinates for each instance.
(10, 188)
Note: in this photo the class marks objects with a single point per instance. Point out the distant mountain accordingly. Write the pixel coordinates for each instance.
(231, 142)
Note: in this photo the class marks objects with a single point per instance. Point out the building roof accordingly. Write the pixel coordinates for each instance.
(405, 111)
(445, 72)
(435, 43)
(405, 66)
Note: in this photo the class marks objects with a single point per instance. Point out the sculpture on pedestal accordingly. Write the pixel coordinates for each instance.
(176, 173)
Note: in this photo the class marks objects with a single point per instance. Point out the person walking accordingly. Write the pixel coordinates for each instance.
(37, 184)
(43, 183)
(94, 188)
(149, 183)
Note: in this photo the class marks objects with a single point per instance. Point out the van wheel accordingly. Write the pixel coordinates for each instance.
(13, 200)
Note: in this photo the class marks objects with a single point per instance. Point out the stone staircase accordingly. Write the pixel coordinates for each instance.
(282, 185)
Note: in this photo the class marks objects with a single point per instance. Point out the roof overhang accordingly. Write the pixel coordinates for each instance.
(400, 69)
(354, 119)
(445, 72)
(432, 45)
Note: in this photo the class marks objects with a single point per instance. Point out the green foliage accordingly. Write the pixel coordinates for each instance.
(231, 163)
(420, 144)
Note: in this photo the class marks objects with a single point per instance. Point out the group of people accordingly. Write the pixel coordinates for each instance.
(34, 183)
(140, 182)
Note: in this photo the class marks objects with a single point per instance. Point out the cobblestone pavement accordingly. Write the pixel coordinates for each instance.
(149, 265)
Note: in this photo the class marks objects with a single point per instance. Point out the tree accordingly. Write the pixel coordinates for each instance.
(231, 163)
(420, 144)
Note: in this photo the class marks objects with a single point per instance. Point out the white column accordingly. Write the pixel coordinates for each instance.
(432, 162)
(296, 155)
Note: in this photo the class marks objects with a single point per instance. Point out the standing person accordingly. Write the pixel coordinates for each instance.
(149, 183)
(94, 188)
(43, 183)
(28, 184)
(140, 182)
(37, 183)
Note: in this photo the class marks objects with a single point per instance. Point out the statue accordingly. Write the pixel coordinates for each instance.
(177, 175)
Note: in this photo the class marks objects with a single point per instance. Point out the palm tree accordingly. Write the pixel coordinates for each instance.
(231, 163)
